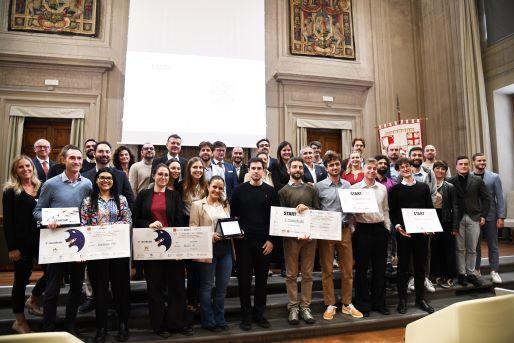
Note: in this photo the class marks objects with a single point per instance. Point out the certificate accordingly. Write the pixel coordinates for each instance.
(358, 200)
(62, 216)
(286, 222)
(84, 243)
(419, 220)
(172, 243)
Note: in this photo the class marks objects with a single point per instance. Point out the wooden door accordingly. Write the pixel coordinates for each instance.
(56, 131)
(330, 139)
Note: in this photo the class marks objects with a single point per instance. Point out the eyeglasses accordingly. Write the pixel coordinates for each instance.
(149, 148)
(43, 146)
(105, 178)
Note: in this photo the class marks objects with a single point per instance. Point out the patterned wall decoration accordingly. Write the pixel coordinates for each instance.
(77, 17)
(322, 28)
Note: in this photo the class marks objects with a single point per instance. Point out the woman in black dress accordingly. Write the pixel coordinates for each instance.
(21, 235)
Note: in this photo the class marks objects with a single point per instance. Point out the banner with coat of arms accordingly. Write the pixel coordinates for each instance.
(404, 133)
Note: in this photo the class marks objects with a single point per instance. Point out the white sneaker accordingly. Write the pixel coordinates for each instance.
(335, 264)
(495, 277)
(429, 286)
(410, 285)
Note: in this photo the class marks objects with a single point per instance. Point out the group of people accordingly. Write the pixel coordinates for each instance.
(171, 191)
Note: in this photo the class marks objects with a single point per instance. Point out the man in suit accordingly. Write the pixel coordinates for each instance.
(89, 149)
(224, 169)
(239, 166)
(174, 146)
(205, 149)
(496, 216)
(312, 173)
(474, 205)
(42, 160)
(263, 145)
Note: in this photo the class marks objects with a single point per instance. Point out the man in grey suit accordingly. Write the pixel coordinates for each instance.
(473, 205)
(42, 160)
(496, 216)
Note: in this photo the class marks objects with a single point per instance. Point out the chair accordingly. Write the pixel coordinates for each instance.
(46, 337)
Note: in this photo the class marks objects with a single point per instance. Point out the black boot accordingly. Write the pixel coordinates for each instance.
(101, 335)
(423, 305)
(402, 306)
(123, 333)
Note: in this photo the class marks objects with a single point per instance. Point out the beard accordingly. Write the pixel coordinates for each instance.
(416, 163)
(382, 171)
(296, 176)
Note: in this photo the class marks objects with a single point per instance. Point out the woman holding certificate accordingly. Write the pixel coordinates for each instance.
(354, 172)
(21, 235)
(206, 212)
(156, 208)
(107, 206)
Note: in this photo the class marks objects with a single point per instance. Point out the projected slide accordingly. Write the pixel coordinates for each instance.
(196, 69)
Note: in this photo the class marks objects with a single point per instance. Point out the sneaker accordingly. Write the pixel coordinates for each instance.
(429, 286)
(270, 272)
(352, 311)
(477, 282)
(306, 315)
(293, 318)
(495, 277)
(87, 306)
(461, 279)
(478, 273)
(335, 264)
(330, 312)
(410, 285)
(447, 283)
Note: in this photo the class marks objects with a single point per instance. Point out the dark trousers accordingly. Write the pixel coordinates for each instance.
(415, 247)
(115, 271)
(165, 282)
(251, 261)
(22, 272)
(39, 287)
(370, 245)
(443, 263)
(193, 282)
(54, 274)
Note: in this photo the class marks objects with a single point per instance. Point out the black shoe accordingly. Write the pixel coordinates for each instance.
(423, 305)
(262, 322)
(87, 306)
(212, 328)
(123, 333)
(381, 309)
(365, 314)
(163, 334)
(101, 335)
(402, 306)
(283, 273)
(246, 324)
(186, 331)
(475, 280)
(224, 327)
(461, 280)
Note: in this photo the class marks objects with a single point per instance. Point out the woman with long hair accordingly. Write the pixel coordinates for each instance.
(123, 159)
(215, 272)
(175, 170)
(107, 206)
(279, 171)
(21, 234)
(159, 207)
(192, 188)
(354, 172)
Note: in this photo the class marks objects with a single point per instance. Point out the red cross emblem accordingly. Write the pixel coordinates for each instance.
(413, 138)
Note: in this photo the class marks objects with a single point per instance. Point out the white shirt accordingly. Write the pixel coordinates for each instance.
(382, 202)
(313, 172)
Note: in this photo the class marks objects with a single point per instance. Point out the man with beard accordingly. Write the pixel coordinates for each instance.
(301, 196)
(409, 193)
(329, 199)
(383, 165)
(205, 153)
(263, 146)
(140, 173)
(393, 153)
(239, 166)
(495, 219)
(429, 155)
(174, 146)
(474, 205)
(251, 202)
(370, 241)
(89, 149)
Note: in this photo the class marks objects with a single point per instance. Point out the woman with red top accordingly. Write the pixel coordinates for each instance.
(354, 172)
(156, 208)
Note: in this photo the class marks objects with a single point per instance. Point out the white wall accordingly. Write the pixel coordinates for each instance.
(504, 112)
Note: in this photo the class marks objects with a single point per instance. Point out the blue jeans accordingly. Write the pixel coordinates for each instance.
(491, 235)
(213, 274)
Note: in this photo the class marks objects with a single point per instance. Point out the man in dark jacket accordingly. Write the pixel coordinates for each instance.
(473, 203)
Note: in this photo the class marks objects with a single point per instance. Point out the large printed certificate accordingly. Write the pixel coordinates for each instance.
(172, 243)
(84, 243)
(286, 222)
(419, 220)
(61, 216)
(358, 200)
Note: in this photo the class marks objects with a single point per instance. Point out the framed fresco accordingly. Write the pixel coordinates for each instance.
(76, 17)
(322, 28)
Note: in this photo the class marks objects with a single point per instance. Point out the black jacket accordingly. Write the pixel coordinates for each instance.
(181, 160)
(279, 175)
(474, 200)
(121, 181)
(242, 172)
(450, 210)
(39, 169)
(142, 214)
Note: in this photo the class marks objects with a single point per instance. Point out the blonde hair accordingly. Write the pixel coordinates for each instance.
(14, 181)
(349, 167)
